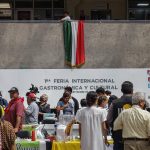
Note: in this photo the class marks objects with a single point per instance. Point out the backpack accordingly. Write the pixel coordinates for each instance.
(2, 103)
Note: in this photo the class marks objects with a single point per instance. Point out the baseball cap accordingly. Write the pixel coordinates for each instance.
(13, 89)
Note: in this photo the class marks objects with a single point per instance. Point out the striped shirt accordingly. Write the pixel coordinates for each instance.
(8, 136)
(0, 139)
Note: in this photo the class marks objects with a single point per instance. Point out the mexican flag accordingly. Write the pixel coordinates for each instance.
(74, 43)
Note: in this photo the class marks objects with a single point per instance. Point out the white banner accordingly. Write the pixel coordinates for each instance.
(53, 81)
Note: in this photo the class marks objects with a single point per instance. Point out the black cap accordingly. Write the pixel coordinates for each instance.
(13, 89)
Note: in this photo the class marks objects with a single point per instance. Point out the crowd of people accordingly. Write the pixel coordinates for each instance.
(126, 119)
(101, 114)
(15, 115)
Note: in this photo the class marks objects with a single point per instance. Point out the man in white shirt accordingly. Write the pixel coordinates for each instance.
(66, 16)
(31, 113)
(92, 125)
(135, 123)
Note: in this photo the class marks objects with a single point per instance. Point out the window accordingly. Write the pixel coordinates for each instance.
(31, 9)
(138, 10)
(23, 3)
(6, 10)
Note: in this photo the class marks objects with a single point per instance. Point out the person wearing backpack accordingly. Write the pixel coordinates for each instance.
(3, 102)
(117, 106)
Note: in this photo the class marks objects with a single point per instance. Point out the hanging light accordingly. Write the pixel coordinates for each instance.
(143, 4)
(4, 5)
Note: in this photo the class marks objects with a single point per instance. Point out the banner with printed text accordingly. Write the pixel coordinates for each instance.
(53, 81)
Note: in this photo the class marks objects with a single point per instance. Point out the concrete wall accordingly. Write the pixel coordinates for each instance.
(108, 45)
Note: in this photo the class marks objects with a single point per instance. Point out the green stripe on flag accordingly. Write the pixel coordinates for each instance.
(68, 41)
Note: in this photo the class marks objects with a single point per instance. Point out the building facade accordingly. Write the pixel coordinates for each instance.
(78, 9)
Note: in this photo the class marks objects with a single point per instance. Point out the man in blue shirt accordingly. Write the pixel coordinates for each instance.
(65, 105)
(31, 113)
(3, 102)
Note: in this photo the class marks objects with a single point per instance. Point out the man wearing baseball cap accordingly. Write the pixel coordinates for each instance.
(14, 113)
(31, 113)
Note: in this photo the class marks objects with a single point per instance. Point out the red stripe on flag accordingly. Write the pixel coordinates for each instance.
(80, 52)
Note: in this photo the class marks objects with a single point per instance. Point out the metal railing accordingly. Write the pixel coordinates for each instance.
(86, 21)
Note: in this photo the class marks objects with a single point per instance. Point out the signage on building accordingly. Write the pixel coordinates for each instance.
(53, 81)
(5, 13)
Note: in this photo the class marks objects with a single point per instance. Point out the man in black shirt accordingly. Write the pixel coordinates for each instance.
(117, 106)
